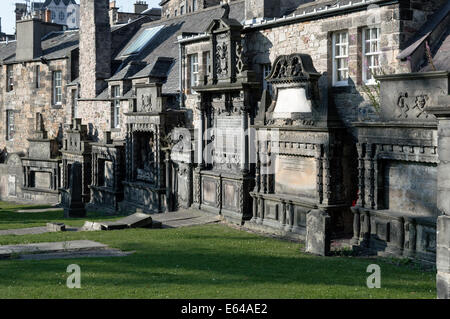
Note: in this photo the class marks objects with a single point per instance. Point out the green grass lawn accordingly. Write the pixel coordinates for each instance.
(212, 261)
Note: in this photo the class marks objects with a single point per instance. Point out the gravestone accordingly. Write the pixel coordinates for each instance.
(71, 198)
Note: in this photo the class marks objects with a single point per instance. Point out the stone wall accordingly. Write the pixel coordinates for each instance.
(26, 100)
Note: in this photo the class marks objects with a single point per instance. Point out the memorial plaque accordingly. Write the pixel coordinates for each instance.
(11, 185)
(230, 196)
(42, 180)
(295, 175)
(209, 191)
(228, 140)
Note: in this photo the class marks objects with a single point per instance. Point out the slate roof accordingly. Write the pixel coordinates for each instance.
(55, 45)
(441, 59)
(57, 2)
(161, 54)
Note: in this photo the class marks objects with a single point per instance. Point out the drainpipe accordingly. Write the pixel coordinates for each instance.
(181, 59)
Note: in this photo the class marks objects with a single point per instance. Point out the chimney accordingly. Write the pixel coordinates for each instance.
(95, 47)
(28, 39)
(140, 6)
(258, 9)
(48, 16)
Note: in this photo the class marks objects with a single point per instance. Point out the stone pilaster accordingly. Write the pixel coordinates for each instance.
(442, 113)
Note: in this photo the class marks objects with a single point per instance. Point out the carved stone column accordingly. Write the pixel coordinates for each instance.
(361, 175)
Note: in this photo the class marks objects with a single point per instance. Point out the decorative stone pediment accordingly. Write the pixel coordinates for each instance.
(296, 98)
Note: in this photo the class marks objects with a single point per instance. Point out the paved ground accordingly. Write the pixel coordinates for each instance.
(184, 218)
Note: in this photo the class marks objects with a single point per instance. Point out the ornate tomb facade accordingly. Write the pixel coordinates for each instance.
(301, 159)
(108, 172)
(148, 124)
(396, 211)
(226, 105)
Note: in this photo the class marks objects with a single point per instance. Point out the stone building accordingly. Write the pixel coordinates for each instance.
(313, 120)
(64, 12)
(140, 9)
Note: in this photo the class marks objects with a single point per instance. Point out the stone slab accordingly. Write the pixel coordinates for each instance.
(40, 210)
(63, 246)
(24, 231)
(95, 253)
(56, 227)
(133, 221)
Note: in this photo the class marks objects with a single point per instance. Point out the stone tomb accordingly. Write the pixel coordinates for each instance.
(397, 210)
(77, 148)
(41, 167)
(181, 168)
(301, 159)
(226, 105)
(148, 123)
(108, 168)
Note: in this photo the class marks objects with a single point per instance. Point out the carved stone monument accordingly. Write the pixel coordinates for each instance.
(108, 172)
(301, 159)
(226, 105)
(41, 167)
(72, 197)
(398, 169)
(77, 148)
(148, 123)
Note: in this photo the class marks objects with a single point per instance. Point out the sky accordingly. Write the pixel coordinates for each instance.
(8, 16)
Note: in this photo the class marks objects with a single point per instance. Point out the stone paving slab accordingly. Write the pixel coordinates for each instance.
(63, 246)
(24, 231)
(185, 218)
(40, 210)
(31, 231)
(106, 252)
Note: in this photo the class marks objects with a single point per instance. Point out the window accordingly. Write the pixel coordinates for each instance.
(57, 87)
(193, 59)
(340, 58)
(10, 78)
(267, 68)
(194, 5)
(142, 40)
(74, 103)
(61, 15)
(9, 125)
(182, 10)
(176, 13)
(371, 54)
(207, 64)
(53, 15)
(115, 92)
(37, 76)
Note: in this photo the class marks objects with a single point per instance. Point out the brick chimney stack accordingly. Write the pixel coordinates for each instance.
(95, 47)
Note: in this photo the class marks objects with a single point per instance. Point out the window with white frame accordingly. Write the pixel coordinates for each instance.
(57, 87)
(115, 91)
(340, 58)
(194, 5)
(9, 78)
(193, 62)
(371, 54)
(9, 124)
